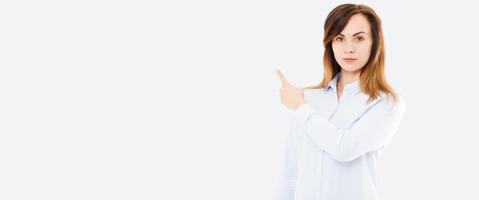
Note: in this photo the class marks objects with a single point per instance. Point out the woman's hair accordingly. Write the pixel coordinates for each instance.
(372, 76)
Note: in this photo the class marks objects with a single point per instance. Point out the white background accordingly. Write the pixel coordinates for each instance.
(179, 99)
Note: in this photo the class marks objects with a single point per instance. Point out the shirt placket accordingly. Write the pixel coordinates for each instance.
(320, 169)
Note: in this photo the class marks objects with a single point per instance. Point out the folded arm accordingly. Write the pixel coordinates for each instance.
(370, 132)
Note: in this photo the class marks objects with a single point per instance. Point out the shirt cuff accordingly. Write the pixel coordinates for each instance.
(303, 113)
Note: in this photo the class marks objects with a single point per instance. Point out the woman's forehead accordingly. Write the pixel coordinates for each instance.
(357, 23)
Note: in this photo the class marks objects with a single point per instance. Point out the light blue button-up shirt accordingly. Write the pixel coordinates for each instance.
(333, 145)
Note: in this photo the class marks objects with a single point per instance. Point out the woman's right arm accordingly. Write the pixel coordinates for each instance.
(286, 184)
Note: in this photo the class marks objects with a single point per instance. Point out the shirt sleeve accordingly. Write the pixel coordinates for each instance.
(370, 132)
(286, 184)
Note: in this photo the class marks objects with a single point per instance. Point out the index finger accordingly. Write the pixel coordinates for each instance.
(281, 77)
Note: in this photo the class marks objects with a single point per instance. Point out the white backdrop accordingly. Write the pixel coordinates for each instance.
(179, 99)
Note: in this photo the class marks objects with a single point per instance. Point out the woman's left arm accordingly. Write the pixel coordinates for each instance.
(374, 129)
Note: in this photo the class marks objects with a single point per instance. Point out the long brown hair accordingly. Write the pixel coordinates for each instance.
(372, 75)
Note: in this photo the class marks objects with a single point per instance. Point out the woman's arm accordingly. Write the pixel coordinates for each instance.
(373, 130)
(286, 185)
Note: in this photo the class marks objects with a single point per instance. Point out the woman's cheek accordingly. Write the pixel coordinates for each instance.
(365, 51)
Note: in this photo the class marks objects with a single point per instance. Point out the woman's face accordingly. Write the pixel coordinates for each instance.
(352, 46)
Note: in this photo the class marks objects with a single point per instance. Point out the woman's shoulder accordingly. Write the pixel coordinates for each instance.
(309, 92)
(313, 90)
(388, 100)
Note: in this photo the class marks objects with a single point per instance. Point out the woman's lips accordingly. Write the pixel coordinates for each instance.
(349, 60)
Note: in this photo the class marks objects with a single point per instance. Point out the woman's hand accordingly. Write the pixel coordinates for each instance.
(291, 96)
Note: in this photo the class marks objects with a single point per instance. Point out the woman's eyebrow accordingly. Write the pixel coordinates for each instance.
(354, 34)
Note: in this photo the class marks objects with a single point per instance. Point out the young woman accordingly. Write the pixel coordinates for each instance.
(341, 126)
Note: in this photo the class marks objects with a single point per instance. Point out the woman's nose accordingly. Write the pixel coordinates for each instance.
(348, 48)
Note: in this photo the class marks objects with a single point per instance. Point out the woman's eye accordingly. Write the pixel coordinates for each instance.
(360, 38)
(339, 39)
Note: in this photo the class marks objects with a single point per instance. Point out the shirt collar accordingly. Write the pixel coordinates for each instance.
(351, 88)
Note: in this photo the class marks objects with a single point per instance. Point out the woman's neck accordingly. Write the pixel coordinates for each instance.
(347, 78)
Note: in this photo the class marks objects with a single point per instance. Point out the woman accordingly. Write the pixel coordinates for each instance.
(342, 125)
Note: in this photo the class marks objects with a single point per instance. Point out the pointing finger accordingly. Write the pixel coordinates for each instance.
(282, 78)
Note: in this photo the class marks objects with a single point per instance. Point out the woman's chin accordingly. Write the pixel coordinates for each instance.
(350, 68)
